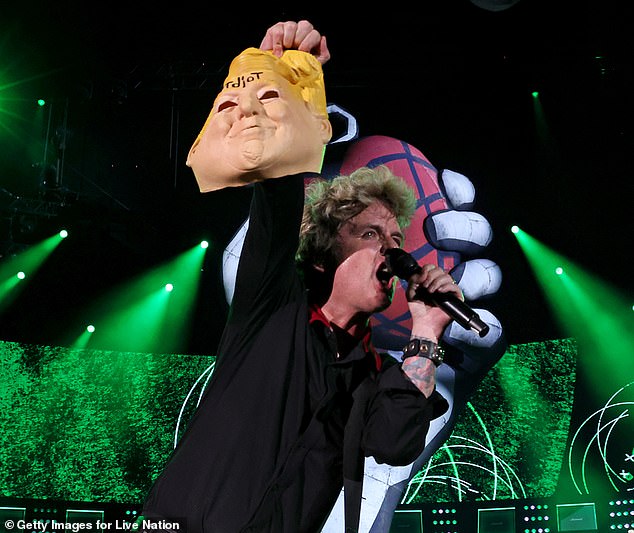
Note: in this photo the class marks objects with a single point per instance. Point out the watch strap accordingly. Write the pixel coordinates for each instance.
(418, 347)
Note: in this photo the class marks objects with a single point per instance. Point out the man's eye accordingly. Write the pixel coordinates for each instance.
(227, 104)
(370, 234)
(269, 95)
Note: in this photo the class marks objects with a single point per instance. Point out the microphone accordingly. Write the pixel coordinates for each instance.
(404, 266)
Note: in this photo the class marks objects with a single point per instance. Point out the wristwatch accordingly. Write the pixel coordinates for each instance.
(424, 348)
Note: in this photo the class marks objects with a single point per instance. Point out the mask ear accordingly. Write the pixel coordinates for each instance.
(325, 128)
(192, 151)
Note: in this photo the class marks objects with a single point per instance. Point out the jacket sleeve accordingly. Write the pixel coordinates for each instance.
(267, 260)
(397, 418)
(267, 276)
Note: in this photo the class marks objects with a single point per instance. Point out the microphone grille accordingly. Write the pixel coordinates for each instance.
(401, 263)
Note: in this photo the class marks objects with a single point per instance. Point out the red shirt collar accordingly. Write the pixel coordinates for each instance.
(317, 315)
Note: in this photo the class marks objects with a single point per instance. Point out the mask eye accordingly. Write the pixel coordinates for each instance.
(269, 94)
(227, 104)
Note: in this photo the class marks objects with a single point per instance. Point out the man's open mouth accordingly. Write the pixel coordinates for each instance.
(384, 275)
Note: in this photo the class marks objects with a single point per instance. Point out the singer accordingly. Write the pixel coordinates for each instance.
(299, 395)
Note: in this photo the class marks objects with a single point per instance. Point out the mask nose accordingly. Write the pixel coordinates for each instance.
(249, 105)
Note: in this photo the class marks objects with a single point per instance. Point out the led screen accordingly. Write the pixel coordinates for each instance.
(90, 425)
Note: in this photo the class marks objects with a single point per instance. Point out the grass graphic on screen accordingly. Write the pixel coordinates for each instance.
(510, 441)
(90, 425)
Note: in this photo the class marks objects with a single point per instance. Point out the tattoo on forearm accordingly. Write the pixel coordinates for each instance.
(422, 373)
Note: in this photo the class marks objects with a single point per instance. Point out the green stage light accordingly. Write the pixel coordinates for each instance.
(134, 316)
(41, 102)
(63, 234)
(204, 245)
(515, 229)
(25, 263)
(595, 314)
(559, 271)
(7, 290)
(546, 147)
(84, 338)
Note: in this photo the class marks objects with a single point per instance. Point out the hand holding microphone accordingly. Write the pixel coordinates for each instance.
(404, 266)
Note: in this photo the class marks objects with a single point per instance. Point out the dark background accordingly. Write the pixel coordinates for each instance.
(129, 85)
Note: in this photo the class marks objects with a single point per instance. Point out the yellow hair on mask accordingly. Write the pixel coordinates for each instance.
(301, 69)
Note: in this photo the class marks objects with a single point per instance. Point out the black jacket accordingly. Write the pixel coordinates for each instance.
(264, 451)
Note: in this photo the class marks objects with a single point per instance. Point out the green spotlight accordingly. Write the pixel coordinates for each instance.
(134, 315)
(559, 271)
(16, 267)
(82, 341)
(63, 234)
(515, 229)
(204, 244)
(574, 299)
(535, 94)
(41, 102)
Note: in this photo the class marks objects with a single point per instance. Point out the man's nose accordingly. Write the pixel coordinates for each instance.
(386, 243)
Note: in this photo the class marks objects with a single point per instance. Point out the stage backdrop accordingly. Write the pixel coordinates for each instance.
(98, 426)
